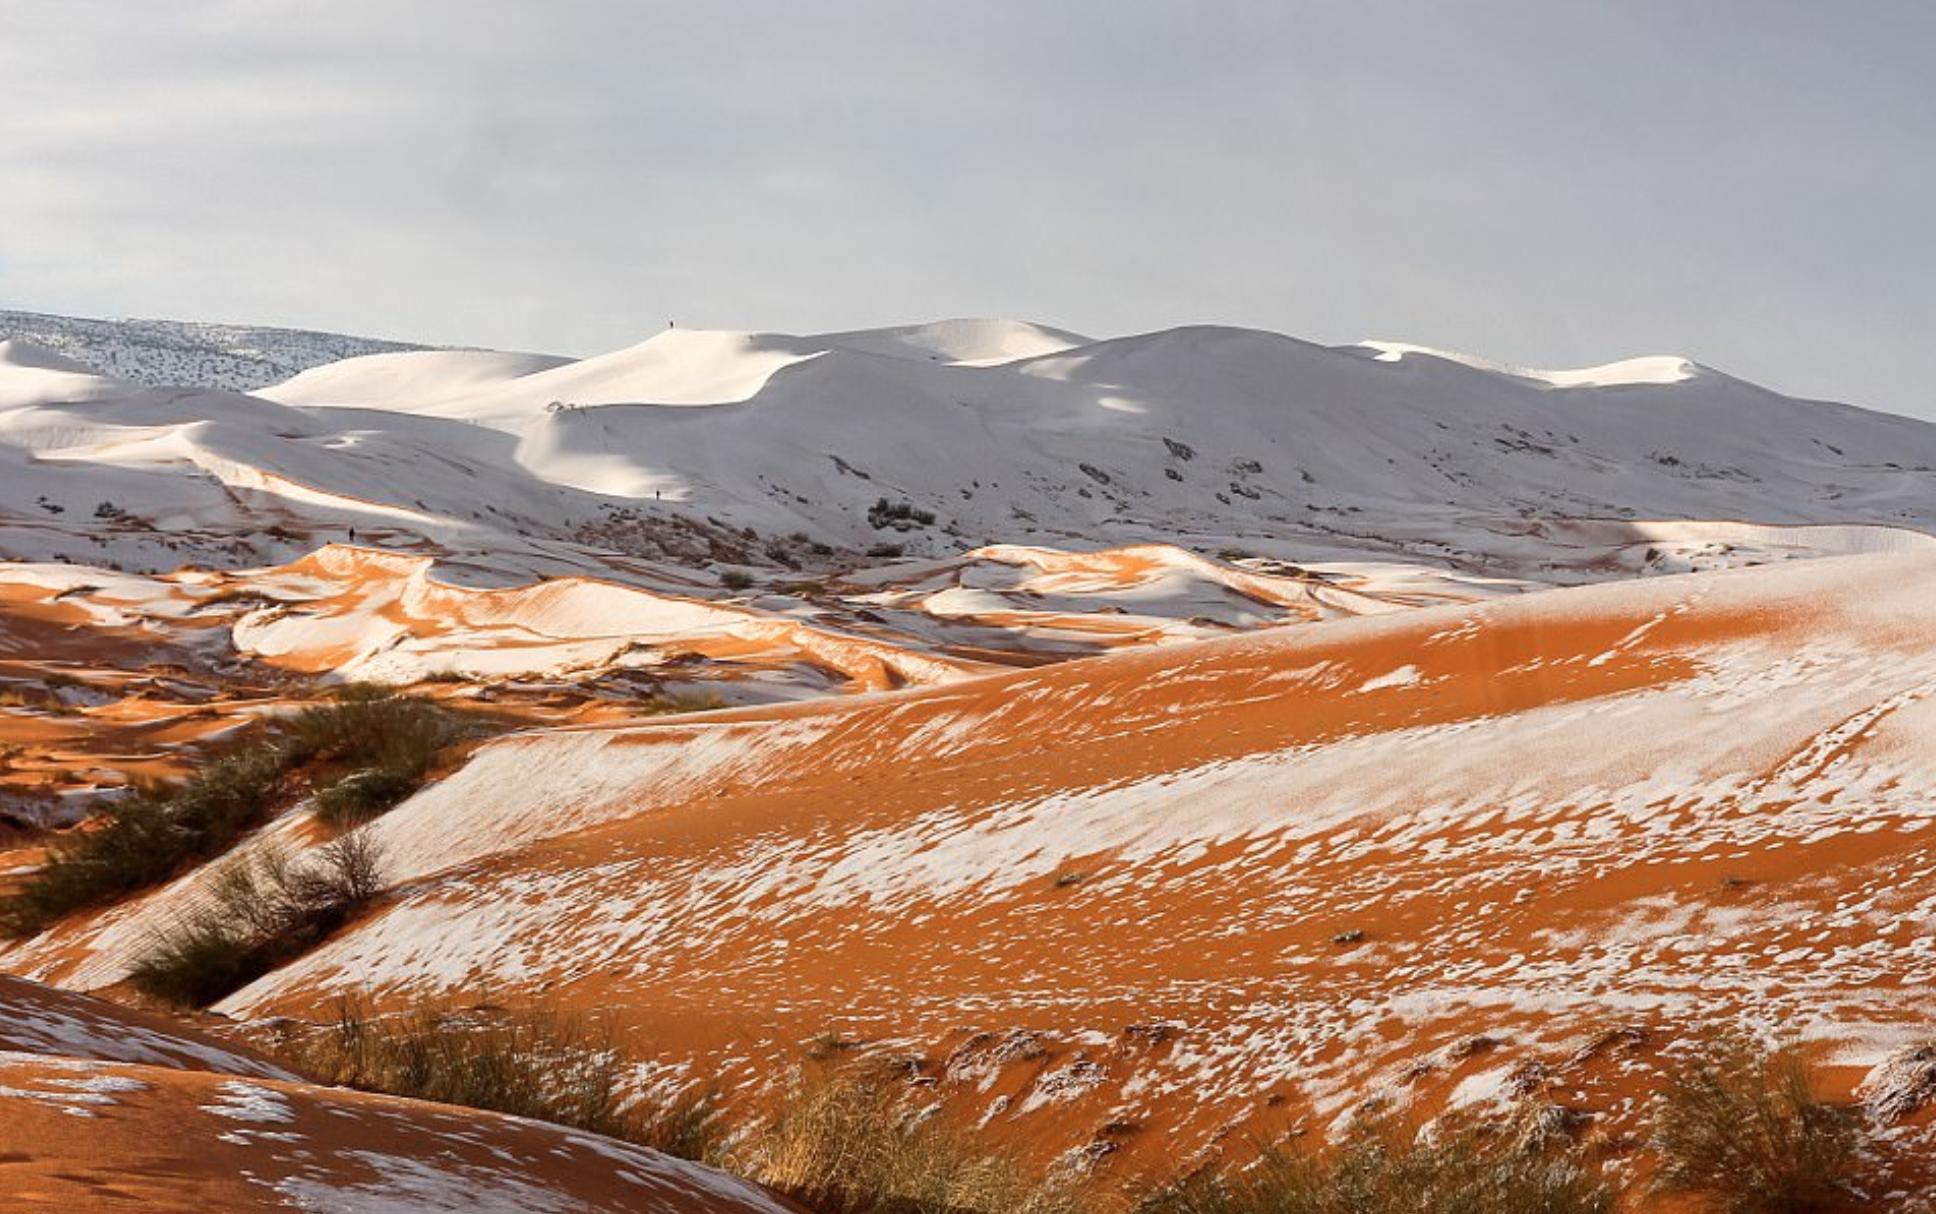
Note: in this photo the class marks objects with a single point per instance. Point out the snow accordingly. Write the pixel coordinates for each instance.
(160, 352)
(975, 342)
(1404, 676)
(403, 1185)
(408, 379)
(75, 1097)
(252, 1103)
(59, 1024)
(1648, 369)
(1205, 438)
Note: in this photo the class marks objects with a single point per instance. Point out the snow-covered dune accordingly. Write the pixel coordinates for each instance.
(938, 439)
(409, 380)
(1309, 863)
(1202, 731)
(108, 1109)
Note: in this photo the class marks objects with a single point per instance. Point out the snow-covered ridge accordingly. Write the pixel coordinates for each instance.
(933, 440)
(175, 352)
(1646, 369)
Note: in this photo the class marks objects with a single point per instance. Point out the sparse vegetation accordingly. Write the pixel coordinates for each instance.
(264, 910)
(1738, 1131)
(146, 839)
(533, 1063)
(843, 1143)
(901, 516)
(1381, 1169)
(237, 596)
(671, 703)
(388, 741)
(735, 579)
(1741, 1130)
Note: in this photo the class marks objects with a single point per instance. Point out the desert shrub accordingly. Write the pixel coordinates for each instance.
(365, 794)
(370, 724)
(148, 838)
(143, 840)
(735, 579)
(237, 596)
(264, 911)
(901, 516)
(194, 964)
(532, 1063)
(1382, 1170)
(844, 1144)
(392, 740)
(1739, 1128)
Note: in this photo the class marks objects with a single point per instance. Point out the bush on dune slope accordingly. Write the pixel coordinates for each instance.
(264, 910)
(388, 743)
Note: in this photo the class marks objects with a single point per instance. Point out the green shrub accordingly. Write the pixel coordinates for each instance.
(147, 839)
(393, 739)
(365, 794)
(1740, 1129)
(195, 964)
(264, 911)
(160, 833)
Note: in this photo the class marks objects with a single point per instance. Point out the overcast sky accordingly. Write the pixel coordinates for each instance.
(1751, 183)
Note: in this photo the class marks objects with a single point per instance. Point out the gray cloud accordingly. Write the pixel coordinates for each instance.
(1745, 181)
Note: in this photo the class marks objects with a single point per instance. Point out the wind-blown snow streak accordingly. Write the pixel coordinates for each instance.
(1318, 855)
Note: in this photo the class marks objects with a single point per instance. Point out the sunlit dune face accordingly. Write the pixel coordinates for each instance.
(116, 679)
(1428, 858)
(1473, 847)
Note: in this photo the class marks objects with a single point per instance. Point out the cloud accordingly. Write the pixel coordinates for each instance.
(1538, 182)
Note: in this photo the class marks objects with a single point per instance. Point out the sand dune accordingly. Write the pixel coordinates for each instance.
(1251, 879)
(106, 1109)
(1154, 741)
(935, 439)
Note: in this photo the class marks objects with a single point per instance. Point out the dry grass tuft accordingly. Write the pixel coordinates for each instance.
(844, 1143)
(1382, 1169)
(534, 1063)
(1740, 1129)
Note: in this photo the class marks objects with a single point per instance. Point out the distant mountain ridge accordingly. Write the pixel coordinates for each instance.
(237, 358)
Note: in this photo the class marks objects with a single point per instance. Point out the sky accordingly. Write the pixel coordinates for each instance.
(1749, 183)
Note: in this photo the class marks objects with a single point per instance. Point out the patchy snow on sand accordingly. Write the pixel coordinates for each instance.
(77, 1088)
(406, 1185)
(38, 1021)
(252, 1103)
(1404, 676)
